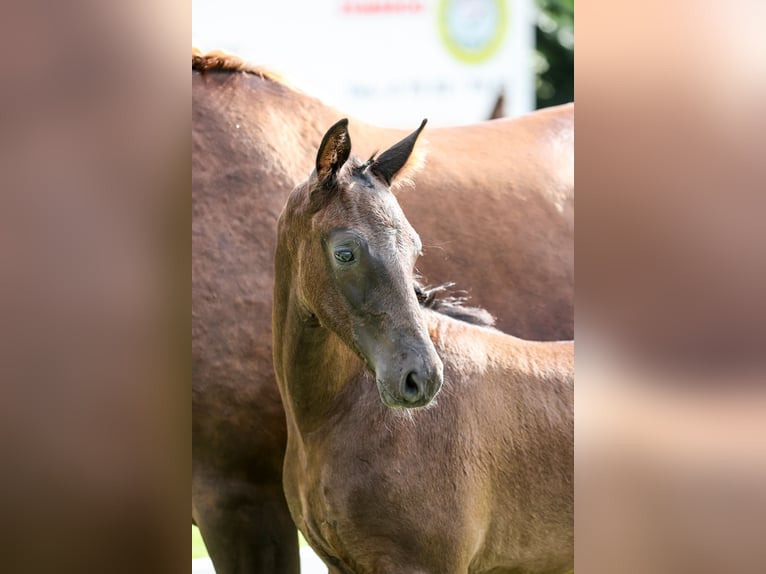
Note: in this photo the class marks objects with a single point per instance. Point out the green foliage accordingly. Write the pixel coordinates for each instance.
(554, 54)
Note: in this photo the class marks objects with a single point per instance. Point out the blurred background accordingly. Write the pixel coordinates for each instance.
(393, 62)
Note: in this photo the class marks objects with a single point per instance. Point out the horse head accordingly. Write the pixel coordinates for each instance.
(353, 255)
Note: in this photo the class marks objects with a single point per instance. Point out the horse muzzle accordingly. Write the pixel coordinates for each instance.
(412, 382)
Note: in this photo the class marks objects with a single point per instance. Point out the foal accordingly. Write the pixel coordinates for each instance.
(478, 477)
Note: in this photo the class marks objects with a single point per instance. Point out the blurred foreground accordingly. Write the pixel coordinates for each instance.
(671, 271)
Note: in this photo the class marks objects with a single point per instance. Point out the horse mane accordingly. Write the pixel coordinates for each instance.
(220, 61)
(452, 304)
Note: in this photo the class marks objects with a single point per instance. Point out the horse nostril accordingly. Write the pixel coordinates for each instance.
(412, 391)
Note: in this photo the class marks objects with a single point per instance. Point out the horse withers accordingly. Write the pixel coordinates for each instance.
(416, 442)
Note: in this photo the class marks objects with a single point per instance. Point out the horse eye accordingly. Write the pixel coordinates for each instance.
(344, 255)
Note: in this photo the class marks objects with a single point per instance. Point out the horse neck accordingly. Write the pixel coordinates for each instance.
(312, 365)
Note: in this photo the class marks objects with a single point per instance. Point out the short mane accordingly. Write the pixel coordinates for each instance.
(220, 61)
(452, 305)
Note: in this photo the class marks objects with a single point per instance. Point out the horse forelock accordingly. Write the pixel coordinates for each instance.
(350, 180)
(220, 61)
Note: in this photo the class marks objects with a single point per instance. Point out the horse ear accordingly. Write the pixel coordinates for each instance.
(388, 164)
(333, 151)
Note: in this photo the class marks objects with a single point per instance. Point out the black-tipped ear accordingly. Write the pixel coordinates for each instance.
(333, 151)
(394, 158)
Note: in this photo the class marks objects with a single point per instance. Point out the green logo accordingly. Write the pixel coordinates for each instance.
(472, 30)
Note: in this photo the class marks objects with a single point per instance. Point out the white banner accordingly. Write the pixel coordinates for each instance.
(390, 62)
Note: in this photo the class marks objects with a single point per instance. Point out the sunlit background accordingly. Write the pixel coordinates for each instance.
(393, 62)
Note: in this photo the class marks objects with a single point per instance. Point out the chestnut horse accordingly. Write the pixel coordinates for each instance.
(481, 482)
(495, 201)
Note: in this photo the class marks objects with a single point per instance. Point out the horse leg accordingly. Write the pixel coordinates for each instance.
(246, 527)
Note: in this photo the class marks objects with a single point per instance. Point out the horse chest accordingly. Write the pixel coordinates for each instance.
(367, 500)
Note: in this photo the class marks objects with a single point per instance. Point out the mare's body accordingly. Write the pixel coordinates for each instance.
(507, 183)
